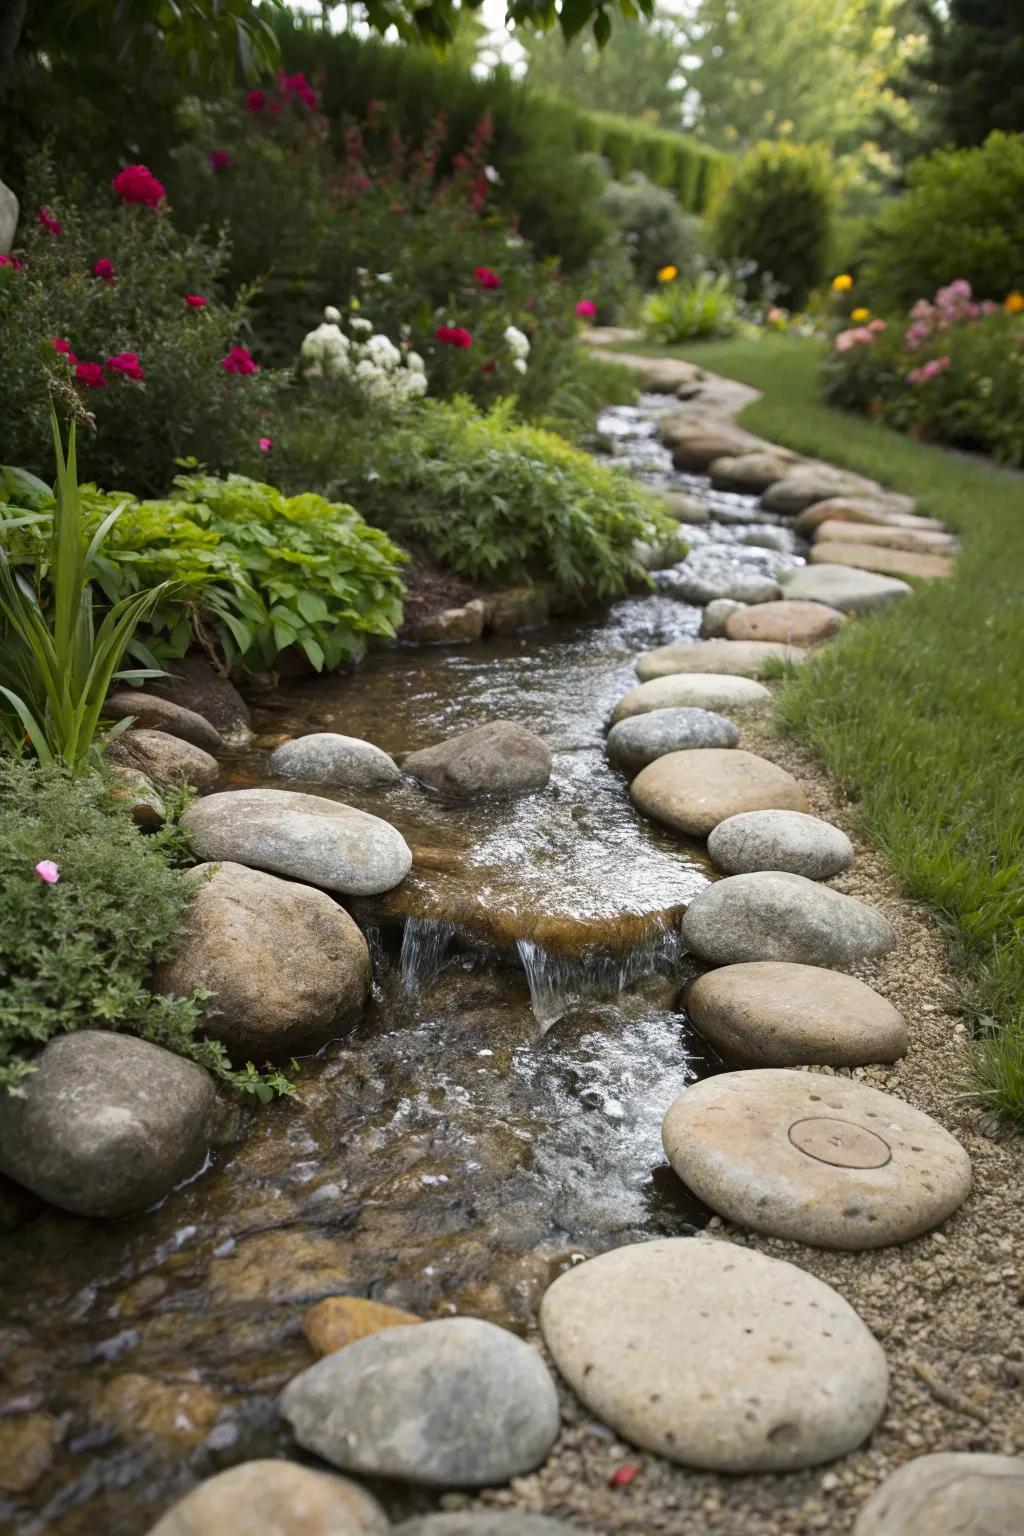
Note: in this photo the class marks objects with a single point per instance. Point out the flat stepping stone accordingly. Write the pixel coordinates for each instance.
(274, 1498)
(864, 510)
(703, 586)
(924, 540)
(749, 473)
(457, 1403)
(785, 622)
(691, 792)
(820, 1160)
(716, 1356)
(777, 916)
(635, 742)
(770, 1013)
(887, 562)
(728, 658)
(807, 483)
(843, 587)
(953, 1493)
(499, 758)
(694, 690)
(325, 757)
(779, 839)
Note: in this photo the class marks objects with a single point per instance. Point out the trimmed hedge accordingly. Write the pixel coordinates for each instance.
(671, 160)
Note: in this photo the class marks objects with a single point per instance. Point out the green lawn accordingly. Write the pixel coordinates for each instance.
(921, 711)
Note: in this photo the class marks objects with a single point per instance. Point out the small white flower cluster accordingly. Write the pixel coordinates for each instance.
(385, 375)
(519, 345)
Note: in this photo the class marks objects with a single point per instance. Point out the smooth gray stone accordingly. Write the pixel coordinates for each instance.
(776, 916)
(457, 1403)
(108, 1124)
(639, 739)
(152, 713)
(736, 658)
(324, 757)
(715, 616)
(274, 1498)
(843, 587)
(781, 840)
(738, 585)
(499, 758)
(952, 1493)
(692, 690)
(164, 759)
(307, 837)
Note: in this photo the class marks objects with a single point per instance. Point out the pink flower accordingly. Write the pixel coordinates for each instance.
(586, 309)
(239, 360)
(104, 268)
(859, 336)
(454, 336)
(486, 278)
(929, 370)
(127, 364)
(90, 375)
(64, 347)
(255, 101)
(219, 159)
(266, 443)
(878, 326)
(47, 220)
(10, 261)
(137, 184)
(48, 871)
(195, 301)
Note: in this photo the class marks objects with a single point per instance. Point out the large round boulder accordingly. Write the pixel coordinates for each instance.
(274, 1498)
(639, 740)
(164, 759)
(499, 758)
(324, 757)
(197, 685)
(692, 690)
(736, 658)
(779, 839)
(693, 791)
(775, 916)
(952, 1493)
(108, 1124)
(286, 967)
(306, 837)
(152, 713)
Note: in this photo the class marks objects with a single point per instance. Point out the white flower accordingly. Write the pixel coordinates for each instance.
(326, 348)
(492, 175)
(519, 364)
(383, 351)
(415, 385)
(384, 277)
(359, 323)
(330, 313)
(518, 343)
(415, 363)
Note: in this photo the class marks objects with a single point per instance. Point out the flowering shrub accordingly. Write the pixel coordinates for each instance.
(378, 371)
(117, 317)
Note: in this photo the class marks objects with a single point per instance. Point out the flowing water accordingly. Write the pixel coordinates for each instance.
(493, 1117)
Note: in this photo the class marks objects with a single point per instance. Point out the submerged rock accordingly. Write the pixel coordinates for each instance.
(641, 739)
(274, 1498)
(692, 690)
(285, 965)
(452, 626)
(693, 791)
(108, 1124)
(458, 1403)
(953, 1493)
(165, 760)
(27, 1445)
(324, 757)
(731, 658)
(519, 608)
(152, 713)
(775, 916)
(780, 839)
(499, 758)
(338, 1321)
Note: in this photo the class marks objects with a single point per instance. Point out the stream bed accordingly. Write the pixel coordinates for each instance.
(494, 1116)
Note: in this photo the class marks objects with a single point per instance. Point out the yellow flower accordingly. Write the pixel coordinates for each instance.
(843, 283)
(1014, 303)
(666, 274)
(858, 316)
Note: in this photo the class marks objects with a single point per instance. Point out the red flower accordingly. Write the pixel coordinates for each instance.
(486, 278)
(126, 363)
(219, 159)
(195, 301)
(10, 261)
(90, 375)
(64, 347)
(489, 366)
(239, 360)
(297, 85)
(104, 269)
(255, 101)
(586, 309)
(454, 336)
(47, 220)
(137, 184)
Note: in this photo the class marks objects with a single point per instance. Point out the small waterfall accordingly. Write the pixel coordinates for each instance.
(425, 946)
(558, 981)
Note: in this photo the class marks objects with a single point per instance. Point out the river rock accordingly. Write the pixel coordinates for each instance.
(953, 1493)
(774, 839)
(760, 537)
(692, 690)
(776, 916)
(165, 760)
(843, 587)
(821, 1160)
(27, 1445)
(274, 1498)
(458, 1403)
(808, 483)
(108, 1124)
(692, 584)
(785, 622)
(486, 1522)
(286, 967)
(750, 474)
(152, 713)
(451, 626)
(169, 1417)
(323, 757)
(864, 510)
(635, 742)
(8, 218)
(692, 792)
(716, 615)
(197, 685)
(768, 1013)
(499, 758)
(139, 795)
(716, 1356)
(886, 562)
(695, 446)
(338, 1321)
(728, 658)
(519, 608)
(921, 539)
(683, 507)
(306, 837)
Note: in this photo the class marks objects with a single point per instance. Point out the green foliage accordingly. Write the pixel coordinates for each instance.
(78, 954)
(656, 231)
(638, 78)
(962, 216)
(184, 405)
(777, 210)
(974, 68)
(686, 168)
(687, 309)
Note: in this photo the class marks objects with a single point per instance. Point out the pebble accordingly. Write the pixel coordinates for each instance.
(781, 840)
(639, 740)
(825, 1161)
(768, 1013)
(457, 1403)
(324, 757)
(792, 623)
(716, 1356)
(693, 791)
(716, 615)
(948, 1494)
(729, 658)
(499, 758)
(274, 1498)
(772, 915)
(843, 587)
(692, 690)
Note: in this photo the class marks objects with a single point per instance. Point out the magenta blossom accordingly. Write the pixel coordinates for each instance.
(928, 370)
(137, 184)
(195, 301)
(266, 443)
(297, 85)
(104, 269)
(219, 159)
(59, 344)
(454, 336)
(486, 278)
(90, 375)
(10, 261)
(48, 871)
(240, 360)
(586, 309)
(255, 101)
(49, 222)
(127, 364)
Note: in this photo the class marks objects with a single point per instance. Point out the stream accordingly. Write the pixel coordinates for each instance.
(494, 1117)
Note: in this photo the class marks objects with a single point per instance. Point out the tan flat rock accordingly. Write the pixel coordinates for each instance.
(883, 562)
(921, 540)
(787, 622)
(692, 690)
(869, 510)
(340, 1320)
(737, 658)
(749, 473)
(693, 791)
(950, 1493)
